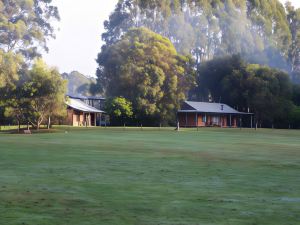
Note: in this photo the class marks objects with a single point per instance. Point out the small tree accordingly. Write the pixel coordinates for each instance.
(15, 109)
(120, 110)
(44, 93)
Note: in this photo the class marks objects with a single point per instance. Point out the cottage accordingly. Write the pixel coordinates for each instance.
(204, 114)
(81, 114)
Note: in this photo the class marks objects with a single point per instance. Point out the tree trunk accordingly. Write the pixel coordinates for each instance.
(19, 126)
(38, 124)
(49, 123)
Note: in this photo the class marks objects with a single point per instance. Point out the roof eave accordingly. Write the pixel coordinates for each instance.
(197, 111)
(85, 111)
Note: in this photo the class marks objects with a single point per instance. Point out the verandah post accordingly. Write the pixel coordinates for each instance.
(19, 126)
(101, 119)
(241, 123)
(197, 122)
(186, 119)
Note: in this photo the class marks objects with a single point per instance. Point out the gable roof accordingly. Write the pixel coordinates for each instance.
(208, 107)
(81, 106)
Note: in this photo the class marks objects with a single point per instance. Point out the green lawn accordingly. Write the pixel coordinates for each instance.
(110, 176)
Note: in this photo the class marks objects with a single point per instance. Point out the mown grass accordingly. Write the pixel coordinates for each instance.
(150, 176)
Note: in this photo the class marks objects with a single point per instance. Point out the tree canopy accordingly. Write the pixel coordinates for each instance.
(25, 26)
(29, 92)
(259, 89)
(238, 39)
(145, 68)
(120, 111)
(10, 67)
(209, 28)
(41, 95)
(293, 16)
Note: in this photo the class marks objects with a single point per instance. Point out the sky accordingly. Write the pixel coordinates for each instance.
(78, 38)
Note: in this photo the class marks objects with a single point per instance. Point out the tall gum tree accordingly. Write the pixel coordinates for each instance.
(145, 68)
(25, 26)
(206, 28)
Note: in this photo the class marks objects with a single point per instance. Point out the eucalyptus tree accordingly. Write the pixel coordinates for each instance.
(293, 16)
(10, 67)
(206, 28)
(26, 25)
(264, 91)
(146, 69)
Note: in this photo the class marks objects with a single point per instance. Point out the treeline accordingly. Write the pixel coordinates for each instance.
(261, 31)
(159, 53)
(30, 91)
(264, 91)
(147, 80)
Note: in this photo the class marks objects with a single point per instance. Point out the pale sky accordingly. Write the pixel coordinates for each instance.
(78, 40)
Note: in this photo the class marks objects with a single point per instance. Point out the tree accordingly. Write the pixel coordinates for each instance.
(25, 25)
(293, 16)
(44, 94)
(296, 94)
(10, 67)
(120, 110)
(269, 95)
(15, 109)
(294, 118)
(207, 28)
(145, 68)
(264, 91)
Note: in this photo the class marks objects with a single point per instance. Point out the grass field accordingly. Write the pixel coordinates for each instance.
(110, 176)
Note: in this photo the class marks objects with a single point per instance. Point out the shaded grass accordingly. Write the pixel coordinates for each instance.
(150, 176)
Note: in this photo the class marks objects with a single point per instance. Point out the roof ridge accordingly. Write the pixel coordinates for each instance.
(209, 102)
(212, 107)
